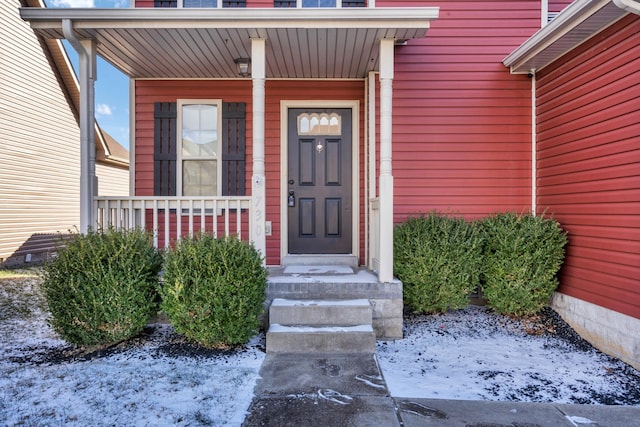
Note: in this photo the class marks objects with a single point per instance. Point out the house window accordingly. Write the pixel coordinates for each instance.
(199, 3)
(319, 124)
(199, 165)
(319, 3)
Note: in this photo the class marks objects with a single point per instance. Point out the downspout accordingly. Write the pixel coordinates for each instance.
(88, 182)
(632, 6)
(534, 146)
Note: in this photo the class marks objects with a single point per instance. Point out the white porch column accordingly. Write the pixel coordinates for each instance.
(385, 273)
(88, 74)
(258, 193)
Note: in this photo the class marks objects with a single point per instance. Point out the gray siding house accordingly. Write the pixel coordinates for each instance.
(39, 148)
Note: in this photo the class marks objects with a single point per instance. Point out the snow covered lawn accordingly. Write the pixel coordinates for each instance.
(474, 354)
(159, 379)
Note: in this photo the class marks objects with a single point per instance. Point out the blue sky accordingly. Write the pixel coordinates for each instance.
(112, 87)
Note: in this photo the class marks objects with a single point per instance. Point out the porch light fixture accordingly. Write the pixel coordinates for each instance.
(244, 66)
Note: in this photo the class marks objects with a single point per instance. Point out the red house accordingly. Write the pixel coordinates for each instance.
(311, 127)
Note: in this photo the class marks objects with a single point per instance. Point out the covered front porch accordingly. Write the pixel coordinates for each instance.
(319, 45)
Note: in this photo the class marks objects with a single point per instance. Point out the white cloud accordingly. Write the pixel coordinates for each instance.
(71, 3)
(103, 110)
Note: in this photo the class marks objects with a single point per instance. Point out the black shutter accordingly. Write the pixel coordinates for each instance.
(233, 148)
(234, 3)
(165, 3)
(164, 149)
(353, 3)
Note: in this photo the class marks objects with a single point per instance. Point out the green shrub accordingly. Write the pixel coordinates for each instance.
(214, 290)
(438, 259)
(100, 288)
(522, 257)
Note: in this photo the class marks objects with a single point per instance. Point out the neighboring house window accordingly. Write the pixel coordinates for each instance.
(199, 148)
(199, 170)
(199, 3)
(319, 3)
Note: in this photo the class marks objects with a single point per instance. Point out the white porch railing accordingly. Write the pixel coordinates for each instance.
(170, 218)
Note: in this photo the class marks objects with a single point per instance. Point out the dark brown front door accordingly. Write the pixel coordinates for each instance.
(319, 187)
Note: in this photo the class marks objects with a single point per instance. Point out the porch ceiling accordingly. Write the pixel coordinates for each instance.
(203, 43)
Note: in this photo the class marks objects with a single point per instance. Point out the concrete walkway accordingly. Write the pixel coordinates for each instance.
(348, 390)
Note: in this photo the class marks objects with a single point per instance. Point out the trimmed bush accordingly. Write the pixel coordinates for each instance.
(100, 288)
(438, 259)
(522, 257)
(214, 290)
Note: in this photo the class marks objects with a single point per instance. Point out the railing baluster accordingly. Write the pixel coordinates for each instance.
(119, 215)
(130, 222)
(107, 210)
(190, 217)
(238, 219)
(226, 218)
(167, 214)
(203, 216)
(215, 218)
(178, 219)
(156, 229)
(143, 214)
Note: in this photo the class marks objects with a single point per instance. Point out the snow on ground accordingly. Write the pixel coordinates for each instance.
(158, 379)
(474, 354)
(44, 382)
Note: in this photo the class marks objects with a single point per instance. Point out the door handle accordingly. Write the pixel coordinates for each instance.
(291, 200)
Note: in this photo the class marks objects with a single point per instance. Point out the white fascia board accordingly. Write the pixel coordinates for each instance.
(572, 16)
(231, 18)
(632, 6)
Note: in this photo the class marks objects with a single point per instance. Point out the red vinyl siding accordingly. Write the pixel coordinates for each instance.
(558, 5)
(461, 121)
(588, 164)
(150, 91)
(260, 3)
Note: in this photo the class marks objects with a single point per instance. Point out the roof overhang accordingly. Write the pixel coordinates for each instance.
(203, 43)
(578, 22)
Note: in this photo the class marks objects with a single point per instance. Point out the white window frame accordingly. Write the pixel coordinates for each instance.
(218, 158)
(181, 4)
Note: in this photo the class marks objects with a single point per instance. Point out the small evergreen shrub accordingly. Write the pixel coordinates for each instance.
(438, 259)
(100, 288)
(523, 254)
(214, 290)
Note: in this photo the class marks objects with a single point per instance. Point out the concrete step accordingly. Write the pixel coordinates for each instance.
(320, 339)
(289, 312)
(362, 284)
(321, 259)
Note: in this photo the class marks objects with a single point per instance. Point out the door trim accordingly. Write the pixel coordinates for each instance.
(355, 168)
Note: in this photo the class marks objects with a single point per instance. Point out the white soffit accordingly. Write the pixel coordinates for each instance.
(203, 43)
(578, 22)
